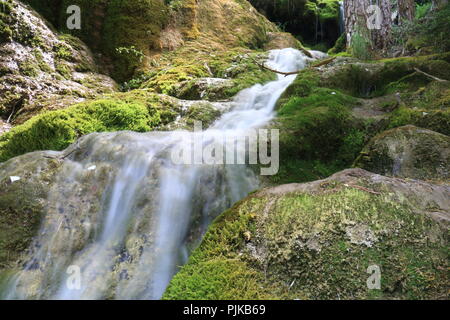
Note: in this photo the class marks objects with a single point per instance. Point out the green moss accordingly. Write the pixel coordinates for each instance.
(63, 69)
(29, 68)
(378, 78)
(318, 136)
(436, 120)
(62, 51)
(108, 25)
(222, 277)
(339, 46)
(219, 279)
(56, 130)
(165, 80)
(408, 152)
(5, 21)
(325, 242)
(189, 64)
(204, 112)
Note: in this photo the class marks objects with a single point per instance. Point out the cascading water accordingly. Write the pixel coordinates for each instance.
(125, 216)
(341, 18)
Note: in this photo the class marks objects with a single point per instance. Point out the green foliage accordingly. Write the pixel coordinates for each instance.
(428, 32)
(422, 9)
(340, 45)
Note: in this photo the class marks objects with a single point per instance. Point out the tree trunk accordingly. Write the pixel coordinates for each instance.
(369, 20)
(437, 4)
(406, 10)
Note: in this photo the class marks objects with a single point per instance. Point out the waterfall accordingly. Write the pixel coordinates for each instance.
(341, 18)
(126, 217)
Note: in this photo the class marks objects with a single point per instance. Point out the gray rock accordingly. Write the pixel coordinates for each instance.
(408, 152)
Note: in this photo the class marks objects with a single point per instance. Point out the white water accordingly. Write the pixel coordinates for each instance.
(341, 18)
(129, 242)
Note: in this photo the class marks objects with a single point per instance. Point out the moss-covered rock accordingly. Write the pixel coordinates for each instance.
(376, 78)
(319, 135)
(133, 34)
(317, 240)
(408, 152)
(22, 202)
(138, 110)
(211, 89)
(42, 70)
(188, 68)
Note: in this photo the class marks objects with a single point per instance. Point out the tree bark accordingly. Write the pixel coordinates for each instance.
(369, 22)
(438, 4)
(406, 10)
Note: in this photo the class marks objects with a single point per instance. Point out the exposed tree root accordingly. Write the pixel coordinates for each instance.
(430, 76)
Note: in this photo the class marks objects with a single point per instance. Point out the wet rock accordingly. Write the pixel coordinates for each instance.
(22, 201)
(212, 89)
(408, 152)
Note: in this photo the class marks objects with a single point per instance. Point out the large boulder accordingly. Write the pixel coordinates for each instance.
(408, 152)
(325, 240)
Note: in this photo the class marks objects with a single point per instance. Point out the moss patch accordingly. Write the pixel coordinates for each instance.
(55, 130)
(319, 245)
(318, 135)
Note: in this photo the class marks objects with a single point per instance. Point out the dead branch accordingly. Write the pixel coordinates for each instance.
(317, 65)
(430, 76)
(306, 52)
(323, 62)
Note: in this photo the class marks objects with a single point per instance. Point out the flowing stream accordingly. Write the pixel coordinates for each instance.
(122, 217)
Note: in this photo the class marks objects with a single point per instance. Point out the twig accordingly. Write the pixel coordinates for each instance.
(14, 109)
(430, 76)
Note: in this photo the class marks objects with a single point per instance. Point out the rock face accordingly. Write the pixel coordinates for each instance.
(24, 183)
(320, 240)
(408, 152)
(41, 70)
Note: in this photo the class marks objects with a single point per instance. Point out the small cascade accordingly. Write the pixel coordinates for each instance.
(124, 217)
(341, 18)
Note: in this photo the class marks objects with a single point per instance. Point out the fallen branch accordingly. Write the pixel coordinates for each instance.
(306, 52)
(317, 65)
(323, 62)
(430, 76)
